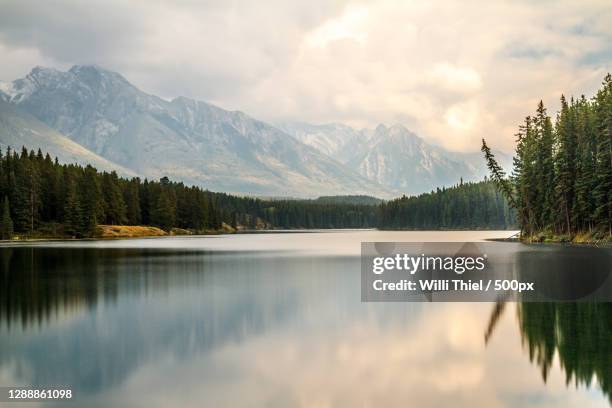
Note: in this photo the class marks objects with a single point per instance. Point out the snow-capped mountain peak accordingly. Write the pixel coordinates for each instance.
(184, 139)
(392, 155)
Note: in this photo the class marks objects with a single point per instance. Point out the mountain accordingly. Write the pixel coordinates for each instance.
(396, 157)
(18, 128)
(475, 161)
(184, 139)
(393, 156)
(328, 138)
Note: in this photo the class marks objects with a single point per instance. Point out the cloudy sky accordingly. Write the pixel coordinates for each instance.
(453, 71)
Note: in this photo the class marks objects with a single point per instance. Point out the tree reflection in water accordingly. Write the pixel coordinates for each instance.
(579, 333)
(40, 283)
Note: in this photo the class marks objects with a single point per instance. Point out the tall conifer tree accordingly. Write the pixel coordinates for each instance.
(6, 228)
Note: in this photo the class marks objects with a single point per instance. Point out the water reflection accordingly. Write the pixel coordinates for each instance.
(130, 326)
(565, 273)
(579, 333)
(43, 284)
(117, 308)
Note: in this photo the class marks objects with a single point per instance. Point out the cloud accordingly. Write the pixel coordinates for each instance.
(452, 71)
(347, 26)
(448, 77)
(426, 362)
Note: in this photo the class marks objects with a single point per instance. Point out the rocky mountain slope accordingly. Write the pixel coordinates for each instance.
(393, 156)
(183, 139)
(18, 128)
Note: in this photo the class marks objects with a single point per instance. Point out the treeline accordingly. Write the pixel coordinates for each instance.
(562, 177)
(40, 196)
(349, 199)
(257, 213)
(315, 214)
(464, 206)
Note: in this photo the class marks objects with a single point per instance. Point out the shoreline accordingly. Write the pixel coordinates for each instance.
(123, 232)
(582, 238)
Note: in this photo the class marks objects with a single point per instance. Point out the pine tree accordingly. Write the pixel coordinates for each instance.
(6, 228)
(26, 194)
(603, 162)
(50, 189)
(524, 176)
(584, 184)
(73, 215)
(115, 211)
(163, 214)
(544, 169)
(90, 201)
(565, 162)
(497, 174)
(131, 197)
(145, 198)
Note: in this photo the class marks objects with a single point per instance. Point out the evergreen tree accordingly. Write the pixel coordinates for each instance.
(145, 202)
(603, 162)
(163, 214)
(90, 201)
(497, 173)
(565, 161)
(115, 211)
(584, 208)
(131, 197)
(49, 189)
(544, 168)
(523, 176)
(26, 193)
(73, 215)
(562, 177)
(6, 228)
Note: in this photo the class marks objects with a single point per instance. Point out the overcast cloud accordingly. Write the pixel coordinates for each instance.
(453, 71)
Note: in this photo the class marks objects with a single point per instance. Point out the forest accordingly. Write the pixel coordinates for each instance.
(561, 183)
(42, 198)
(464, 206)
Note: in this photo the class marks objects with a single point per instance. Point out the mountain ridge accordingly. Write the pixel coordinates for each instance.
(202, 144)
(394, 155)
(185, 139)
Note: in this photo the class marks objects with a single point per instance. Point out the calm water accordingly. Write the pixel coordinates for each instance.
(275, 320)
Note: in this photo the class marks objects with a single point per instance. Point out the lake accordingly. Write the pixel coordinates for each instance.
(275, 320)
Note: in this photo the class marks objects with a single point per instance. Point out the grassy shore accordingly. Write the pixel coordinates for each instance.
(589, 238)
(128, 231)
(55, 232)
(141, 231)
